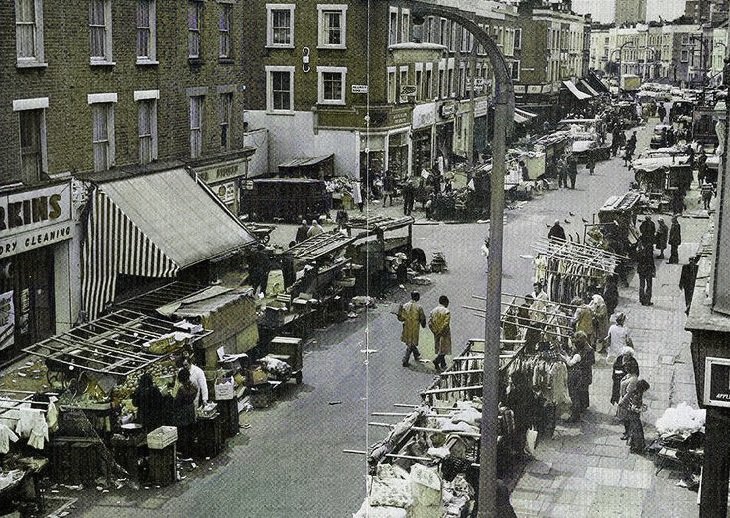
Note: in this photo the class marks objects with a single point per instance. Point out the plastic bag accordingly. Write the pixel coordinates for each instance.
(531, 441)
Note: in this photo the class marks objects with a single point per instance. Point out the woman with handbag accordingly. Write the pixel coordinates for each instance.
(634, 405)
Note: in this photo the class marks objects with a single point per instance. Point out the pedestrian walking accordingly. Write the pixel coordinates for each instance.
(556, 231)
(579, 361)
(562, 167)
(357, 195)
(572, 170)
(388, 186)
(701, 167)
(632, 403)
(624, 363)
(646, 270)
(617, 338)
(583, 318)
(600, 321)
(413, 318)
(675, 239)
(707, 191)
(661, 236)
(409, 194)
(687, 280)
(647, 230)
(302, 231)
(590, 163)
(662, 112)
(610, 294)
(439, 322)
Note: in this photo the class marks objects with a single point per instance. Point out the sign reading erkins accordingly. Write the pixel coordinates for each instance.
(34, 219)
(717, 382)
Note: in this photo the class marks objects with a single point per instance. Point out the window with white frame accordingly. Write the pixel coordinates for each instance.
(454, 36)
(419, 81)
(444, 32)
(224, 31)
(146, 31)
(195, 20)
(147, 129)
(450, 82)
(405, 25)
(391, 83)
(429, 30)
(442, 83)
(515, 71)
(402, 82)
(32, 127)
(518, 39)
(462, 81)
(684, 56)
(102, 130)
(100, 31)
(331, 83)
(29, 32)
(280, 88)
(332, 25)
(280, 25)
(196, 125)
(226, 115)
(428, 81)
(685, 39)
(393, 26)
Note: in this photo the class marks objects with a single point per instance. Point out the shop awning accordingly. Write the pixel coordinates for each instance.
(593, 80)
(588, 88)
(574, 90)
(152, 225)
(304, 161)
(520, 119)
(522, 116)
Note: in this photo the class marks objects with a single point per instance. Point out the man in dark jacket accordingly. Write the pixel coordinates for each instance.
(646, 270)
(647, 229)
(687, 281)
(556, 231)
(302, 231)
(675, 239)
(661, 236)
(572, 170)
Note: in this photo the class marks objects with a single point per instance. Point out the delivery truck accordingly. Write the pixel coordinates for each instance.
(630, 83)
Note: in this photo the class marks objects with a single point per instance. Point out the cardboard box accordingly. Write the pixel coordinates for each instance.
(257, 376)
(224, 390)
(161, 437)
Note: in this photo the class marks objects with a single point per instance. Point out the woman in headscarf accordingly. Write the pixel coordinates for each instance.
(600, 321)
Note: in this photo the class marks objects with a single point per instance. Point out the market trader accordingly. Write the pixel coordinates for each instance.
(412, 315)
(197, 378)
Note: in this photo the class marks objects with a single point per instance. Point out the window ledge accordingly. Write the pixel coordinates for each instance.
(270, 46)
(331, 103)
(101, 63)
(332, 47)
(147, 62)
(226, 61)
(31, 64)
(196, 62)
(288, 113)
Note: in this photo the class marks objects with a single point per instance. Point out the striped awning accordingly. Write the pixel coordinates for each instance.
(574, 90)
(152, 226)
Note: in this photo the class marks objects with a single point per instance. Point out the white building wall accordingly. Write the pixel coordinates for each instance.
(292, 136)
(258, 164)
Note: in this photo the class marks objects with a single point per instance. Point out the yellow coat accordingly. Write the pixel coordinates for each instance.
(439, 322)
(412, 316)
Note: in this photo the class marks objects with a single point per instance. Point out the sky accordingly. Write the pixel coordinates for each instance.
(603, 10)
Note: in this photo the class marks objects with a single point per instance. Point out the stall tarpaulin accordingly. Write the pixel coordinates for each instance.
(574, 90)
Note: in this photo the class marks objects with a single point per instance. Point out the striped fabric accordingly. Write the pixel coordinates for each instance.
(114, 245)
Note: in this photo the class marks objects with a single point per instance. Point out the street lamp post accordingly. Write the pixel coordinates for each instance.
(703, 62)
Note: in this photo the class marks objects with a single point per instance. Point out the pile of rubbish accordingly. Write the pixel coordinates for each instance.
(681, 421)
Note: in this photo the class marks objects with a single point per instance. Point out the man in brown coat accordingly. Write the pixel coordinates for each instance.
(439, 322)
(413, 318)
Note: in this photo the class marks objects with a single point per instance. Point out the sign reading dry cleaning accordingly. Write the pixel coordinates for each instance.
(33, 219)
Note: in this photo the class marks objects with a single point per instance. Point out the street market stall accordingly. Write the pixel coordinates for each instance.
(588, 139)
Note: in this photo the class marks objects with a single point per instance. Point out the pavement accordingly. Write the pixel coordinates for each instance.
(586, 470)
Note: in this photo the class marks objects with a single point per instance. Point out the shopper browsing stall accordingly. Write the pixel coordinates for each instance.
(150, 403)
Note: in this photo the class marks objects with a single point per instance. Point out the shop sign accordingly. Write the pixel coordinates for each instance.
(359, 89)
(448, 110)
(25, 211)
(423, 115)
(717, 382)
(400, 117)
(7, 320)
(226, 192)
(26, 241)
(222, 172)
(481, 108)
(534, 89)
